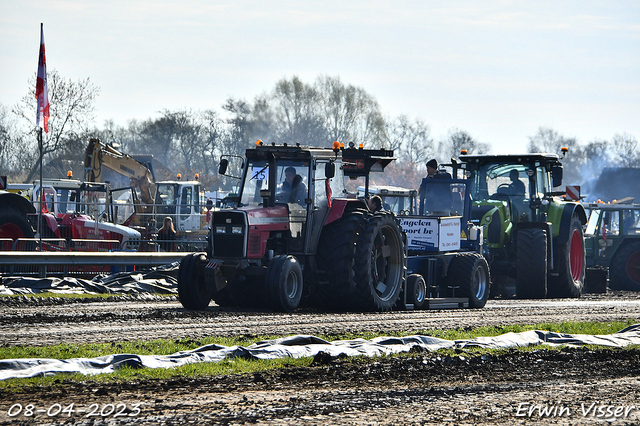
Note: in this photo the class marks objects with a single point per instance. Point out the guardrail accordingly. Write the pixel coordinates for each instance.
(42, 264)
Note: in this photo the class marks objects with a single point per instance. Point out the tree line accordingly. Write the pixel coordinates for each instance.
(316, 114)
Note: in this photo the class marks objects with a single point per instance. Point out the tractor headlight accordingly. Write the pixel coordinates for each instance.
(236, 229)
(221, 229)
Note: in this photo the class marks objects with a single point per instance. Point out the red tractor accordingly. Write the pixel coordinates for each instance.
(296, 237)
(71, 210)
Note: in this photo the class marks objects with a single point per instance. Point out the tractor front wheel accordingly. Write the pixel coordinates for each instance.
(192, 287)
(531, 264)
(284, 283)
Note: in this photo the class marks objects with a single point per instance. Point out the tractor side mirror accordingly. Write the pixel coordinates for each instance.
(329, 170)
(556, 175)
(224, 163)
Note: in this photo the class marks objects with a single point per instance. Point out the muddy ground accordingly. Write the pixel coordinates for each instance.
(574, 386)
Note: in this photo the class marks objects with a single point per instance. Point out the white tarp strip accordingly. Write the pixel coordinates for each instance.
(305, 346)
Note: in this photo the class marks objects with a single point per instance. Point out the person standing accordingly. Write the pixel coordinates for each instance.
(167, 235)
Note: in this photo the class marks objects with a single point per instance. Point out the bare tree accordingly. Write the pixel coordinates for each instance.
(71, 108)
(295, 107)
(457, 140)
(410, 140)
(548, 140)
(625, 150)
(349, 113)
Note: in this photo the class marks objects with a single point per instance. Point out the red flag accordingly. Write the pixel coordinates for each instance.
(42, 92)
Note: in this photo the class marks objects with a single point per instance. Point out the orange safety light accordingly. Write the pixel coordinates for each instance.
(259, 142)
(336, 147)
(361, 145)
(197, 176)
(69, 174)
(179, 176)
(341, 145)
(463, 152)
(564, 149)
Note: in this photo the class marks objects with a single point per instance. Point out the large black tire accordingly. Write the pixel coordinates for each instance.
(335, 255)
(192, 287)
(14, 224)
(416, 290)
(571, 262)
(284, 283)
(379, 263)
(470, 272)
(531, 264)
(624, 269)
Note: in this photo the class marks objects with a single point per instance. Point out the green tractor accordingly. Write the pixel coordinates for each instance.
(613, 246)
(532, 236)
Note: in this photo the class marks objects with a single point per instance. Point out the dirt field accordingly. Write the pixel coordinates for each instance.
(575, 386)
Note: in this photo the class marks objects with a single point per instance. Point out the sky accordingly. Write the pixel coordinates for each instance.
(498, 70)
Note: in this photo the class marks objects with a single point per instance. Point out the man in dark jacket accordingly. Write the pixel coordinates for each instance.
(437, 197)
(293, 188)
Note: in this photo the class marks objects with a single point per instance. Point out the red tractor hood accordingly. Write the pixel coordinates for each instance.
(277, 217)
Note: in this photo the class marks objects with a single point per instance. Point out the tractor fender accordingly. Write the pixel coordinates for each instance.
(569, 210)
(50, 221)
(339, 206)
(15, 201)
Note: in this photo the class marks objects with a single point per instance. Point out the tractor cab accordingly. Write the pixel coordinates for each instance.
(511, 189)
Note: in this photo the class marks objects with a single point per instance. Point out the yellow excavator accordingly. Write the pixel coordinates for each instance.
(150, 200)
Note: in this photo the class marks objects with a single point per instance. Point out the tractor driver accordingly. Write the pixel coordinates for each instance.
(516, 187)
(293, 188)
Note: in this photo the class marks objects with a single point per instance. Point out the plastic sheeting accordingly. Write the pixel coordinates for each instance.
(305, 346)
(157, 280)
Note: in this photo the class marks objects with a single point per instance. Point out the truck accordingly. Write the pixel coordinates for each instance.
(319, 247)
(150, 201)
(71, 210)
(612, 241)
(532, 236)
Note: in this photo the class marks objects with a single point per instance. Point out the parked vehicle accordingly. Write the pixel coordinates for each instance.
(532, 236)
(612, 241)
(71, 210)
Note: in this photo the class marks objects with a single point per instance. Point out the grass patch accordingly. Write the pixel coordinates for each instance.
(242, 366)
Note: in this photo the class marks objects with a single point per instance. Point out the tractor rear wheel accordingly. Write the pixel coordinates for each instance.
(284, 283)
(336, 253)
(416, 290)
(531, 264)
(379, 263)
(192, 287)
(571, 264)
(624, 270)
(14, 224)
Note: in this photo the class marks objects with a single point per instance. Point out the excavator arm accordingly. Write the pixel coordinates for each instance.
(98, 155)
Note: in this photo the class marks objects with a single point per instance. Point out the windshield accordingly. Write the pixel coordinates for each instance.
(291, 182)
(500, 178)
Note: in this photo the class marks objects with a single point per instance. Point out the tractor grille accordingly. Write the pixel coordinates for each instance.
(229, 243)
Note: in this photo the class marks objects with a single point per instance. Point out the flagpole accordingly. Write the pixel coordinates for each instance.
(39, 230)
